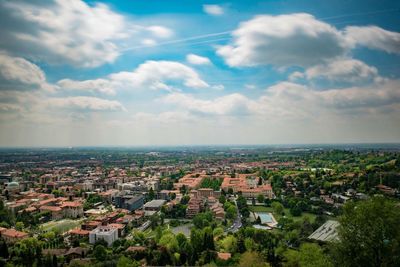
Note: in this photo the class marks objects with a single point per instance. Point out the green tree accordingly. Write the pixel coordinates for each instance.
(27, 251)
(169, 241)
(19, 226)
(100, 253)
(309, 255)
(230, 212)
(369, 234)
(3, 249)
(260, 198)
(222, 199)
(251, 259)
(229, 244)
(154, 220)
(295, 211)
(196, 241)
(6, 216)
(203, 219)
(230, 191)
(278, 207)
(126, 262)
(208, 239)
(151, 194)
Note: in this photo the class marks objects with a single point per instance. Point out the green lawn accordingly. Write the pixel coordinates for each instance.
(260, 209)
(61, 226)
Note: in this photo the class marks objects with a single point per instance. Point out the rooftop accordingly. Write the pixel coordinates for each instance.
(326, 232)
(156, 203)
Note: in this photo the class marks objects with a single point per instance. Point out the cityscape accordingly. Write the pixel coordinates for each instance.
(214, 206)
(236, 133)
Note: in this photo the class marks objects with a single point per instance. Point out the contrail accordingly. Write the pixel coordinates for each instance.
(361, 14)
(197, 37)
(179, 40)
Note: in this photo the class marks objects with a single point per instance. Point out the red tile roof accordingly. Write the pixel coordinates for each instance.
(51, 208)
(78, 231)
(224, 255)
(13, 233)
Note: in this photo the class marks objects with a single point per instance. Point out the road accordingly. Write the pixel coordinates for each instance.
(237, 223)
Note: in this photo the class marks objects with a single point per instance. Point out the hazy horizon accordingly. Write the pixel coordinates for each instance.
(114, 73)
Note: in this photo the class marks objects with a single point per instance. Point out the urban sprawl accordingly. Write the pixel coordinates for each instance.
(214, 206)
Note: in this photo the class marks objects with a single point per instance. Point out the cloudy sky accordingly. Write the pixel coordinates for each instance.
(156, 72)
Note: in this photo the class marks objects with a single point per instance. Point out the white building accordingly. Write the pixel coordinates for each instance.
(107, 233)
(87, 186)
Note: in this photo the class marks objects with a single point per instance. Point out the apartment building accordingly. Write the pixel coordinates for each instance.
(107, 233)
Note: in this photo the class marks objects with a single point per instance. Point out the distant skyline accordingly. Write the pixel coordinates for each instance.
(150, 73)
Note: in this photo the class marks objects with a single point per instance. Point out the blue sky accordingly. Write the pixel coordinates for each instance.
(76, 73)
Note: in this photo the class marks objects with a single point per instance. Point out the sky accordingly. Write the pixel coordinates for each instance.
(156, 72)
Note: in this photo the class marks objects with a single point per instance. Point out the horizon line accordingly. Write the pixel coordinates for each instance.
(203, 145)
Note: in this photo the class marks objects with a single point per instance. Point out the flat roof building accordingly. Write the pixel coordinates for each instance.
(155, 204)
(326, 232)
(107, 233)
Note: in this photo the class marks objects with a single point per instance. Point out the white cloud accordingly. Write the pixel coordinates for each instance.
(295, 99)
(292, 101)
(233, 104)
(102, 86)
(149, 42)
(214, 10)
(295, 76)
(343, 70)
(155, 75)
(8, 107)
(20, 74)
(369, 98)
(197, 60)
(374, 37)
(160, 31)
(284, 40)
(85, 103)
(71, 31)
(250, 86)
(166, 117)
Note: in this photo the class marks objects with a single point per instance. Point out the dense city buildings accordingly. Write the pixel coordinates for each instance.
(152, 200)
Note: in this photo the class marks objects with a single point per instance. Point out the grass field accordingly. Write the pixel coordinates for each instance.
(61, 226)
(260, 209)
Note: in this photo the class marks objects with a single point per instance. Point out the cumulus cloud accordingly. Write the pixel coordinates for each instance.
(155, 75)
(69, 31)
(214, 10)
(197, 60)
(102, 86)
(284, 40)
(85, 103)
(289, 100)
(343, 70)
(374, 37)
(369, 98)
(301, 99)
(8, 107)
(233, 104)
(163, 117)
(300, 40)
(19, 74)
